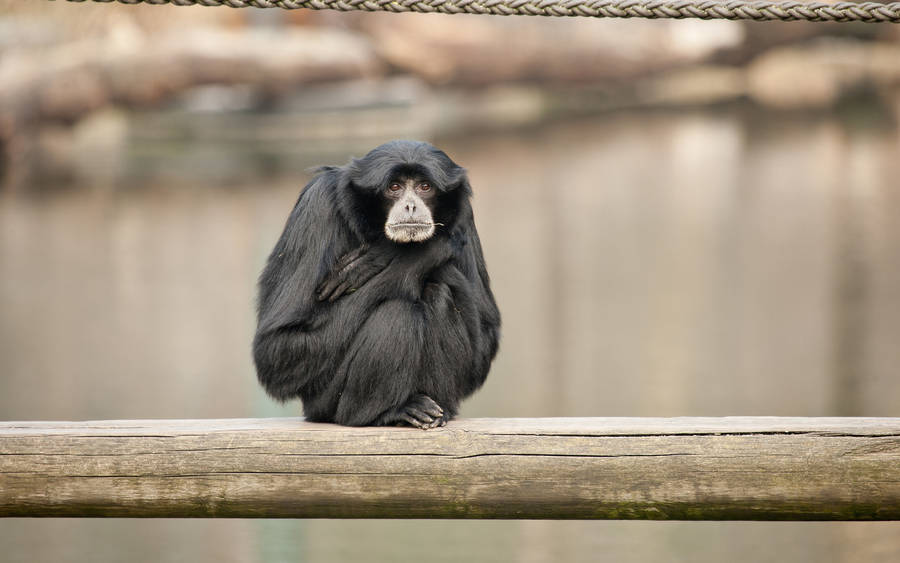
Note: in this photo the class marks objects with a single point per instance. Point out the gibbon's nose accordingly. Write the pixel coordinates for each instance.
(411, 206)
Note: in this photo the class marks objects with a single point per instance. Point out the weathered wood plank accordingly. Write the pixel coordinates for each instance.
(748, 468)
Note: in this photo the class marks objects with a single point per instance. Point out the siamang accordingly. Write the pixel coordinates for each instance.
(375, 306)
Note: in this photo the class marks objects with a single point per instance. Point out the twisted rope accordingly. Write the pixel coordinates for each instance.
(704, 9)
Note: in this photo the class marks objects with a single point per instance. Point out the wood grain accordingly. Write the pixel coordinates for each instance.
(744, 468)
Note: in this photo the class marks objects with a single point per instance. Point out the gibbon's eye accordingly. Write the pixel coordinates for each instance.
(395, 187)
(424, 186)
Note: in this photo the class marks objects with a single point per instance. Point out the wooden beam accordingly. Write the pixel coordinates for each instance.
(738, 468)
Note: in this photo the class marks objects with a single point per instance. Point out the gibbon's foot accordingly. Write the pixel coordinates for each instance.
(421, 411)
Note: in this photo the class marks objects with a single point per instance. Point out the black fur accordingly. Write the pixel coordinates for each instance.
(407, 325)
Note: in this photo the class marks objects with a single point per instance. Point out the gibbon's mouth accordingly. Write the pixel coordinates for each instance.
(409, 232)
(413, 225)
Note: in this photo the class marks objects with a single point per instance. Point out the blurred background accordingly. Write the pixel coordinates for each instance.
(679, 217)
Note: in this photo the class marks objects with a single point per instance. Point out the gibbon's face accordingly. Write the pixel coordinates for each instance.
(410, 205)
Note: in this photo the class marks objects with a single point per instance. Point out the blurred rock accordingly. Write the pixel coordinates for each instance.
(70, 93)
(556, 50)
(21, 32)
(492, 107)
(99, 143)
(757, 39)
(817, 75)
(700, 85)
(130, 68)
